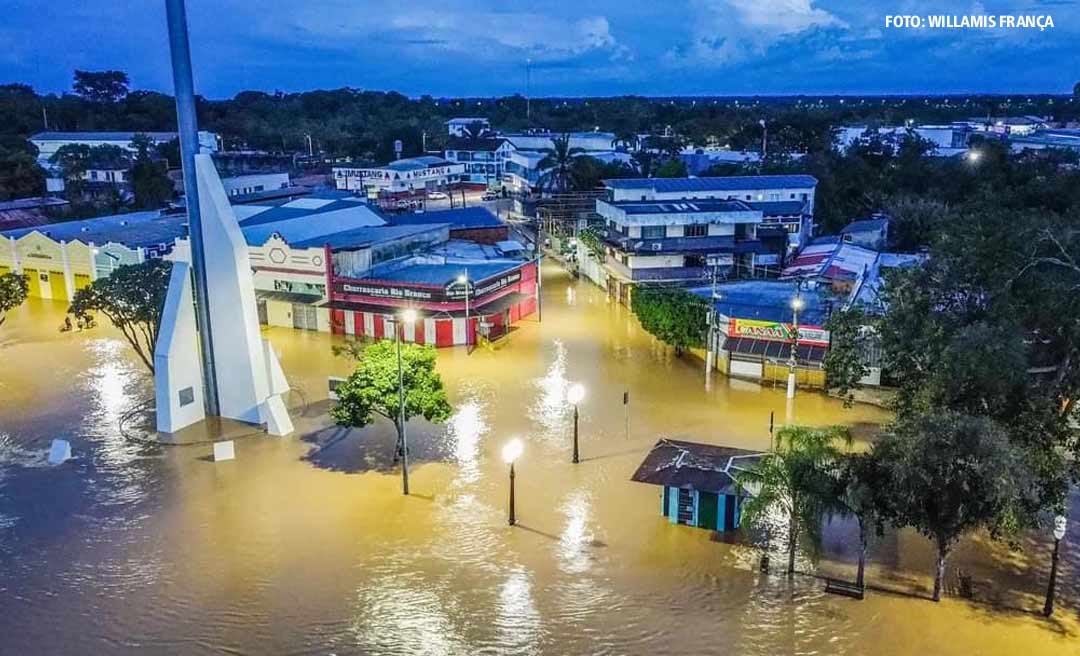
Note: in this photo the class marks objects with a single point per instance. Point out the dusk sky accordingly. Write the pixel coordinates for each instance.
(604, 47)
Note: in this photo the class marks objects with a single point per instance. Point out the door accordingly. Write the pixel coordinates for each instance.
(57, 286)
(81, 280)
(729, 511)
(32, 277)
(746, 369)
(305, 317)
(707, 502)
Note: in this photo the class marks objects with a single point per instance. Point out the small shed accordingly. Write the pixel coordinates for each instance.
(698, 482)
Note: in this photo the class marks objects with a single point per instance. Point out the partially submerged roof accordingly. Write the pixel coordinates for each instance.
(695, 466)
(725, 183)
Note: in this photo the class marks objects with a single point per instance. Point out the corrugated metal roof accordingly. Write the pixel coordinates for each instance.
(726, 183)
(467, 217)
(306, 225)
(135, 230)
(443, 274)
(364, 236)
(695, 466)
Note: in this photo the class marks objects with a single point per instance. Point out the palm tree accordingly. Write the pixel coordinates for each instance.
(797, 477)
(556, 164)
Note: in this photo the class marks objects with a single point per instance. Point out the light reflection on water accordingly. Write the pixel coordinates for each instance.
(142, 548)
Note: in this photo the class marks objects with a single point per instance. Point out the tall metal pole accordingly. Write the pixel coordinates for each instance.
(513, 518)
(466, 310)
(403, 443)
(188, 130)
(1048, 609)
(575, 434)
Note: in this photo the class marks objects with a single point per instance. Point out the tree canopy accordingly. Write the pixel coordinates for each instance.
(132, 297)
(674, 316)
(101, 86)
(372, 389)
(13, 291)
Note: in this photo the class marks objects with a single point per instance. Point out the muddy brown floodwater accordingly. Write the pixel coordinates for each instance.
(305, 545)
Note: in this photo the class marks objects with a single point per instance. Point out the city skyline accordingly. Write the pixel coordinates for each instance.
(472, 48)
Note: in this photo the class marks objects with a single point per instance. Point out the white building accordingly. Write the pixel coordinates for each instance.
(48, 143)
(241, 185)
(404, 176)
(483, 158)
(456, 127)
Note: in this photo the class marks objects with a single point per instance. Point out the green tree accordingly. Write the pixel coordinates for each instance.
(20, 175)
(845, 362)
(149, 177)
(101, 86)
(13, 290)
(674, 316)
(951, 473)
(591, 240)
(798, 478)
(672, 168)
(132, 297)
(372, 389)
(862, 492)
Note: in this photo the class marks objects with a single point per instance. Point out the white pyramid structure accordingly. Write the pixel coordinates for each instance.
(250, 380)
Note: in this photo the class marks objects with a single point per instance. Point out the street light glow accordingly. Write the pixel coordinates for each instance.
(797, 303)
(462, 279)
(408, 316)
(575, 394)
(973, 155)
(511, 451)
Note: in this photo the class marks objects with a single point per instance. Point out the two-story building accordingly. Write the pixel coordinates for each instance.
(402, 178)
(682, 242)
(483, 159)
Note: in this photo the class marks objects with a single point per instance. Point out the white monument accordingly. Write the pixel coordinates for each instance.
(250, 380)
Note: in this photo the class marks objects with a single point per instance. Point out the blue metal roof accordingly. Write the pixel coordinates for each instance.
(363, 236)
(768, 301)
(443, 274)
(308, 226)
(779, 207)
(135, 230)
(466, 217)
(726, 183)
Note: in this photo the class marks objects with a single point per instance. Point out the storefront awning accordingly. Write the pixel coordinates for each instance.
(494, 307)
(774, 350)
(287, 297)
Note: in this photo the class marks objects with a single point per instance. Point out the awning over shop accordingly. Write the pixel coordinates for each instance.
(287, 297)
(773, 350)
(494, 307)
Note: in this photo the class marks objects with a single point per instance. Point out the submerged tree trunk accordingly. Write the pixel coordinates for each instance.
(792, 544)
(862, 556)
(939, 577)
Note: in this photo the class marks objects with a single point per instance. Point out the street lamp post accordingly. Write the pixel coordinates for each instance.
(463, 279)
(510, 453)
(574, 395)
(409, 317)
(796, 305)
(1059, 533)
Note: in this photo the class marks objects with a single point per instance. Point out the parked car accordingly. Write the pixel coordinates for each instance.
(437, 195)
(403, 204)
(490, 195)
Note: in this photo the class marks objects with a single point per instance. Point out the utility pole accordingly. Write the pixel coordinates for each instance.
(184, 86)
(528, 90)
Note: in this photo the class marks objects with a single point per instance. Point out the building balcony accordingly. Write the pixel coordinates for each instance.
(680, 245)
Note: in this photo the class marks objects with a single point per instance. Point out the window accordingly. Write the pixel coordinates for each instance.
(697, 230)
(653, 232)
(694, 261)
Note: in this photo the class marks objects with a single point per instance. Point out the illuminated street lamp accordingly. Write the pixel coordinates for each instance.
(574, 395)
(409, 317)
(973, 156)
(510, 453)
(463, 279)
(1059, 532)
(796, 305)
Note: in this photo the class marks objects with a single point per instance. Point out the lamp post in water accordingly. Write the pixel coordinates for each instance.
(796, 305)
(574, 395)
(463, 280)
(408, 317)
(1059, 533)
(510, 453)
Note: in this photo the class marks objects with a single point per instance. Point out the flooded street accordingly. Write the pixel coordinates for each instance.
(305, 545)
